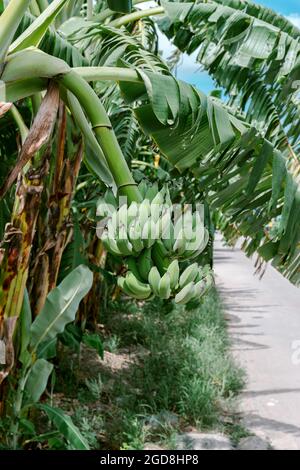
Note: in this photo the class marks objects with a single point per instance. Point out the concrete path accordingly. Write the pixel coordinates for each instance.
(264, 321)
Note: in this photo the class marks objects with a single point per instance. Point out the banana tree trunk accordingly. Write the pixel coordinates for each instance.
(89, 311)
(54, 222)
(15, 254)
(63, 207)
(19, 233)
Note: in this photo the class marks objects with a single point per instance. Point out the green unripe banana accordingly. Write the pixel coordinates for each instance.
(178, 227)
(164, 288)
(209, 281)
(160, 247)
(165, 223)
(151, 192)
(132, 266)
(155, 212)
(123, 215)
(195, 247)
(138, 289)
(173, 270)
(167, 233)
(187, 226)
(122, 285)
(145, 264)
(159, 198)
(199, 289)
(110, 244)
(110, 199)
(189, 275)
(154, 280)
(132, 212)
(180, 244)
(143, 187)
(168, 200)
(186, 294)
(135, 236)
(123, 243)
(144, 212)
(149, 233)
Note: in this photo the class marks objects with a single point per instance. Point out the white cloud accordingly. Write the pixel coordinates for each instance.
(188, 63)
(294, 18)
(188, 67)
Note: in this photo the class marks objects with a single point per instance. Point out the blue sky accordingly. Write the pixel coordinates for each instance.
(285, 7)
(189, 70)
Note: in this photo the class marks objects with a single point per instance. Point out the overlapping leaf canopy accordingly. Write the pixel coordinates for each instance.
(254, 54)
(251, 52)
(246, 166)
(238, 169)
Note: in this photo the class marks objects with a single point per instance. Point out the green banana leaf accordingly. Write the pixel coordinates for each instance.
(61, 306)
(252, 52)
(47, 349)
(37, 381)
(9, 22)
(239, 170)
(33, 35)
(66, 427)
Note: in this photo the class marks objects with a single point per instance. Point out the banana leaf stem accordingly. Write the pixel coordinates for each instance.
(136, 15)
(104, 134)
(89, 13)
(91, 74)
(107, 12)
(14, 427)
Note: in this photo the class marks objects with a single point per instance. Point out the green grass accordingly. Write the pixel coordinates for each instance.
(187, 369)
(183, 368)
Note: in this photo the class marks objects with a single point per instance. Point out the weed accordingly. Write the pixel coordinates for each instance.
(90, 423)
(95, 387)
(237, 432)
(112, 344)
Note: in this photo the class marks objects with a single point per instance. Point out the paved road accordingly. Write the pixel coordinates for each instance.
(264, 320)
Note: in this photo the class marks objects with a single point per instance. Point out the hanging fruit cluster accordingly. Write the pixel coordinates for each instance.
(153, 239)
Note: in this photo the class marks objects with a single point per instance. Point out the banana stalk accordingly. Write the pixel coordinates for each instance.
(17, 244)
(104, 133)
(89, 308)
(54, 222)
(68, 181)
(15, 254)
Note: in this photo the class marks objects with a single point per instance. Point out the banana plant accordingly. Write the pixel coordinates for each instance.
(164, 116)
(38, 340)
(64, 58)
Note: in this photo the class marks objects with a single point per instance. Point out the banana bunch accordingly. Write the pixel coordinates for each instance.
(140, 232)
(133, 287)
(131, 229)
(185, 237)
(192, 284)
